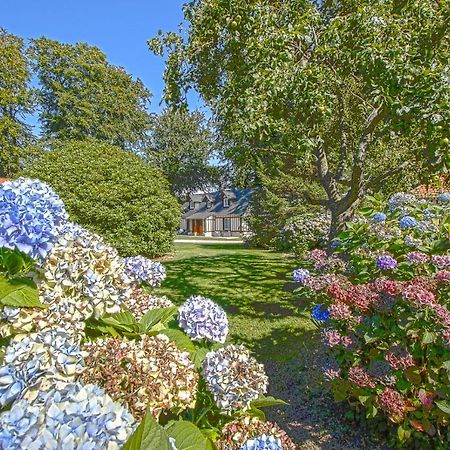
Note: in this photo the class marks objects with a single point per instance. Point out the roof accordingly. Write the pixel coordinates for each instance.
(239, 201)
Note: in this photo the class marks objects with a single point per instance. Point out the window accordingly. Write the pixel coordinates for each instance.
(227, 223)
(226, 202)
(191, 205)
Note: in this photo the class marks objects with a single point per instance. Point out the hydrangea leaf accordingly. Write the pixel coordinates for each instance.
(188, 437)
(19, 292)
(182, 341)
(444, 406)
(148, 435)
(123, 321)
(154, 316)
(264, 402)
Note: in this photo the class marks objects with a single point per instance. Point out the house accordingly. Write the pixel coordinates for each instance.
(219, 213)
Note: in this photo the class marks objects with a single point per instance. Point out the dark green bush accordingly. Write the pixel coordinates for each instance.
(113, 193)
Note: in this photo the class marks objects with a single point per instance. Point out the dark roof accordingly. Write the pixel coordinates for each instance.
(239, 201)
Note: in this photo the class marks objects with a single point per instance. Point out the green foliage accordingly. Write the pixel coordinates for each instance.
(82, 95)
(327, 86)
(15, 101)
(19, 292)
(113, 193)
(181, 145)
(148, 435)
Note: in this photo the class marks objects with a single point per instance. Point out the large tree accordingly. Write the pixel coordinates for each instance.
(182, 144)
(82, 95)
(356, 92)
(15, 101)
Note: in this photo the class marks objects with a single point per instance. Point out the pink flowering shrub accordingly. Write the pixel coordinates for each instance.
(384, 314)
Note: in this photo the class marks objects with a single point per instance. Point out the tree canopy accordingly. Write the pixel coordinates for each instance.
(15, 101)
(354, 91)
(181, 144)
(82, 95)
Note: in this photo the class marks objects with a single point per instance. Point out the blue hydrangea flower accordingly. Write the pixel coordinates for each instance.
(69, 416)
(143, 270)
(201, 318)
(407, 222)
(263, 442)
(386, 262)
(30, 357)
(443, 198)
(300, 275)
(321, 313)
(379, 217)
(30, 217)
(335, 243)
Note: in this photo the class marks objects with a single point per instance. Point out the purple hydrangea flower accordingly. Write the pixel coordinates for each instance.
(320, 313)
(143, 270)
(407, 222)
(386, 262)
(300, 275)
(263, 442)
(30, 217)
(379, 217)
(417, 258)
(201, 318)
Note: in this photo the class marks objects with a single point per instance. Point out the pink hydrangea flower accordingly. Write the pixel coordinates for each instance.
(332, 338)
(393, 403)
(419, 296)
(441, 261)
(340, 311)
(443, 276)
(417, 258)
(399, 358)
(360, 377)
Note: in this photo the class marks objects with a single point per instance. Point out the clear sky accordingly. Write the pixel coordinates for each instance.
(120, 28)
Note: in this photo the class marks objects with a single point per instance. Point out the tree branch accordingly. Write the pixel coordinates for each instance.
(376, 182)
(343, 132)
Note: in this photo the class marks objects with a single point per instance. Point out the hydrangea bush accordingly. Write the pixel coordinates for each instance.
(86, 352)
(384, 315)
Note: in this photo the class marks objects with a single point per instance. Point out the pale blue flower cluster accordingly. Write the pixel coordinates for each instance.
(70, 416)
(400, 200)
(379, 217)
(144, 270)
(407, 222)
(263, 442)
(443, 198)
(300, 275)
(201, 318)
(28, 358)
(30, 216)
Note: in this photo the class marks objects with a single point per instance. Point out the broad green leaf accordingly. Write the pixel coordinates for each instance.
(187, 436)
(183, 342)
(149, 435)
(444, 406)
(152, 317)
(20, 292)
(123, 320)
(429, 337)
(264, 402)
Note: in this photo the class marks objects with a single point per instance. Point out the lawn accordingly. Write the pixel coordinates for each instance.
(251, 285)
(254, 287)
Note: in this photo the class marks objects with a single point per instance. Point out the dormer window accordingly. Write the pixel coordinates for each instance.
(208, 204)
(191, 205)
(226, 202)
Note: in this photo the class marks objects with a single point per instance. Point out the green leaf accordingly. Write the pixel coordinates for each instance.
(264, 402)
(198, 357)
(444, 406)
(152, 317)
(20, 292)
(183, 342)
(123, 320)
(148, 435)
(429, 337)
(187, 436)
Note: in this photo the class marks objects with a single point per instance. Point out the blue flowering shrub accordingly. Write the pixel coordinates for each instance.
(381, 301)
(92, 358)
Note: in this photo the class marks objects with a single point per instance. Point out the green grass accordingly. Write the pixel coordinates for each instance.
(253, 287)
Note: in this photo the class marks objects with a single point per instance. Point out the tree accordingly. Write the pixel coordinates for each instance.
(82, 95)
(15, 101)
(181, 145)
(354, 91)
(111, 192)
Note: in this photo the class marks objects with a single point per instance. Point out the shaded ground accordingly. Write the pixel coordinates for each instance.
(253, 287)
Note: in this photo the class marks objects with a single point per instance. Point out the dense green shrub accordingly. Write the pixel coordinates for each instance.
(383, 304)
(113, 193)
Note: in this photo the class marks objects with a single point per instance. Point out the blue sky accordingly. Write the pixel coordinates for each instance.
(120, 28)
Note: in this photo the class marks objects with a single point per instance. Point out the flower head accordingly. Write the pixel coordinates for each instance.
(393, 403)
(201, 318)
(441, 261)
(263, 442)
(443, 198)
(140, 302)
(234, 377)
(30, 217)
(386, 262)
(358, 375)
(300, 275)
(144, 270)
(417, 258)
(70, 415)
(407, 222)
(379, 217)
(399, 358)
(320, 313)
(27, 358)
(148, 373)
